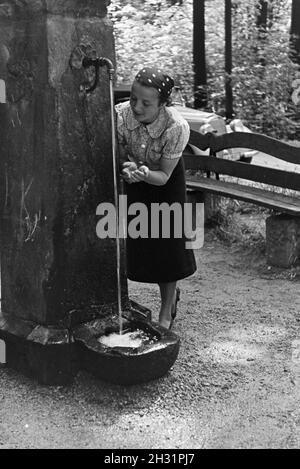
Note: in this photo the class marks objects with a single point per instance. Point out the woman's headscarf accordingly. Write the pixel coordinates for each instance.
(150, 76)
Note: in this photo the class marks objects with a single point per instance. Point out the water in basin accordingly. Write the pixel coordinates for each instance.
(130, 339)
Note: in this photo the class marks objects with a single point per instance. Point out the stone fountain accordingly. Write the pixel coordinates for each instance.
(58, 279)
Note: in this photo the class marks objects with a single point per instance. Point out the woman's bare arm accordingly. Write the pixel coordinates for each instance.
(159, 177)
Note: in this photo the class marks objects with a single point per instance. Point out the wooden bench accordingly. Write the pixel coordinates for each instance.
(283, 228)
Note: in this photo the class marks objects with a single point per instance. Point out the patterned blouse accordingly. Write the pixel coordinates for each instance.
(166, 137)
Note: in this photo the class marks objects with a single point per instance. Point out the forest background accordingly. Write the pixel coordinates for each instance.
(264, 73)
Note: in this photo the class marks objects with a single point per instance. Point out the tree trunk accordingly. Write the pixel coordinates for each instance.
(228, 60)
(262, 17)
(200, 79)
(295, 31)
(263, 21)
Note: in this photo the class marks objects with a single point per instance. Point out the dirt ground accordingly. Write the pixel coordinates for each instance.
(235, 384)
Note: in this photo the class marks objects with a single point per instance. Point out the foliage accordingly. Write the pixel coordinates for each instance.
(161, 33)
(263, 71)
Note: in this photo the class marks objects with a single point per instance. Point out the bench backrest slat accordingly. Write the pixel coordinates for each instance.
(252, 141)
(274, 177)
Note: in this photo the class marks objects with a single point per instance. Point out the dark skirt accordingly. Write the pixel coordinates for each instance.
(159, 260)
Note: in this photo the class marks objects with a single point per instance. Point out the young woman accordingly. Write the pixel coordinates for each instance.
(152, 137)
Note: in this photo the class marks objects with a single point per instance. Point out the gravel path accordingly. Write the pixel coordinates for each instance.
(235, 383)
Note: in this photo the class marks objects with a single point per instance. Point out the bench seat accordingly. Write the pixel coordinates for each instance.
(269, 199)
(282, 228)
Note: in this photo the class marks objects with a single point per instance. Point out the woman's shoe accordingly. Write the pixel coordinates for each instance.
(174, 312)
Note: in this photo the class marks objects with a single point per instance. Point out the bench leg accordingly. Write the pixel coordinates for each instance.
(282, 240)
(212, 206)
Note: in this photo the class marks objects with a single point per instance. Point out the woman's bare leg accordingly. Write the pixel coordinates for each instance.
(167, 293)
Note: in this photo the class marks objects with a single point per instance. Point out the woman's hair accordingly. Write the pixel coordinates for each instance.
(155, 78)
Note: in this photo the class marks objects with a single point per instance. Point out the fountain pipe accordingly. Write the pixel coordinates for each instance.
(116, 195)
(97, 63)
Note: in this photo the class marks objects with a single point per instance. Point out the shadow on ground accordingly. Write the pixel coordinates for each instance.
(235, 383)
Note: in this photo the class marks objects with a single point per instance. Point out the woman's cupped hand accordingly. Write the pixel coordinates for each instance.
(131, 173)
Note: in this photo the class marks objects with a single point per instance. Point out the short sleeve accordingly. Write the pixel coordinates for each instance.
(120, 124)
(177, 138)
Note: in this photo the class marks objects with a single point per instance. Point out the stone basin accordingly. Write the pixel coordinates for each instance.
(124, 365)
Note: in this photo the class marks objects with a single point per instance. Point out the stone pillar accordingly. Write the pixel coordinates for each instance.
(282, 240)
(55, 168)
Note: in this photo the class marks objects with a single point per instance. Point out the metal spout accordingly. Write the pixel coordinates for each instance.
(97, 63)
